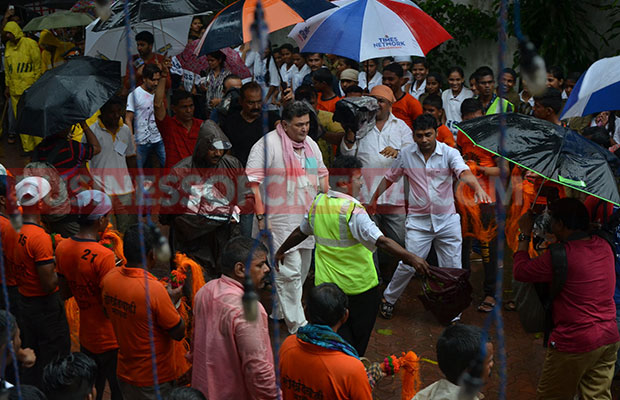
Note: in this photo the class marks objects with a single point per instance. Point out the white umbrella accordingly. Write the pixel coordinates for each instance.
(170, 37)
(597, 90)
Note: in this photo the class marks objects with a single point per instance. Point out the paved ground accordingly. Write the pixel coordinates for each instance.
(413, 328)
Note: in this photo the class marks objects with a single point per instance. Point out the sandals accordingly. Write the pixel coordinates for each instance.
(510, 306)
(386, 309)
(11, 139)
(490, 306)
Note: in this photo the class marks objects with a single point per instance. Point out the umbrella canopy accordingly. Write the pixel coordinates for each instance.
(234, 63)
(152, 10)
(59, 19)
(231, 27)
(365, 29)
(79, 87)
(553, 152)
(597, 90)
(170, 37)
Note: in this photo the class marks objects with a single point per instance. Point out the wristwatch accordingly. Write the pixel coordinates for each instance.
(260, 217)
(524, 238)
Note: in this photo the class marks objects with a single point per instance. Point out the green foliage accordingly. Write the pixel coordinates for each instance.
(562, 31)
(465, 23)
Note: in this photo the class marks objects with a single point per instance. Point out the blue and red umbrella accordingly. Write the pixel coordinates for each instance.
(365, 29)
(231, 26)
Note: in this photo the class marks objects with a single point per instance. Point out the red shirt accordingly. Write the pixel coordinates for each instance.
(178, 142)
(584, 313)
(9, 241)
(124, 300)
(408, 109)
(84, 263)
(34, 249)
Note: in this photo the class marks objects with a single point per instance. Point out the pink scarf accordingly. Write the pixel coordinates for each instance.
(291, 162)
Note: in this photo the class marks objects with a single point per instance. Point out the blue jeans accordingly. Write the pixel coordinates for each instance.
(145, 151)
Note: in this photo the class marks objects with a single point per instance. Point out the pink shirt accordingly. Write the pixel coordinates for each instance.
(584, 313)
(232, 358)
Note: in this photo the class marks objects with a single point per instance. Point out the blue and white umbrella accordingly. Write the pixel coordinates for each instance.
(597, 90)
(365, 29)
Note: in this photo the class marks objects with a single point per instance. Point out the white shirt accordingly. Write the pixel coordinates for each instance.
(140, 102)
(408, 76)
(298, 76)
(363, 229)
(287, 202)
(417, 92)
(258, 68)
(443, 389)
(395, 133)
(377, 79)
(431, 200)
(617, 131)
(452, 106)
(288, 73)
(530, 101)
(109, 167)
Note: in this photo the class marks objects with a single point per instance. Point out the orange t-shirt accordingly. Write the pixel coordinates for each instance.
(444, 135)
(481, 157)
(334, 374)
(327, 105)
(84, 263)
(407, 109)
(124, 300)
(9, 241)
(34, 248)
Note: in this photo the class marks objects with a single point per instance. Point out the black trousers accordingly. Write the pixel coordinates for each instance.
(106, 371)
(44, 329)
(363, 309)
(488, 250)
(13, 300)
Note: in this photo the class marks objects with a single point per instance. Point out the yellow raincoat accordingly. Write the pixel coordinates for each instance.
(22, 65)
(53, 59)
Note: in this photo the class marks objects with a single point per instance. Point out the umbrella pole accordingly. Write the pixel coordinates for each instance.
(367, 77)
(538, 194)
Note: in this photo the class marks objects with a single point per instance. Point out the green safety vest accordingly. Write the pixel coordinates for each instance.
(493, 109)
(339, 258)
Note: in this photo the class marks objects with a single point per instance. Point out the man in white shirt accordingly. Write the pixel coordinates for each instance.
(294, 173)
(377, 150)
(430, 167)
(140, 119)
(109, 169)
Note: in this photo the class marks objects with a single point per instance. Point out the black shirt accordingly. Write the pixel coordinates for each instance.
(242, 134)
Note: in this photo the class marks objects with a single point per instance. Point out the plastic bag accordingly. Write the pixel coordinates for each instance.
(357, 114)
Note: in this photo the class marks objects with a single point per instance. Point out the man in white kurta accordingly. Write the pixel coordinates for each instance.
(285, 183)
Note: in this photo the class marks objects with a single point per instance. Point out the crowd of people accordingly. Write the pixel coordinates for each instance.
(242, 171)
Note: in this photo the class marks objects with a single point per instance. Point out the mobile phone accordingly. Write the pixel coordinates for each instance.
(138, 62)
(284, 85)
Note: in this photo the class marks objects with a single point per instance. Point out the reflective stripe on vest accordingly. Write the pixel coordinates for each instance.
(493, 109)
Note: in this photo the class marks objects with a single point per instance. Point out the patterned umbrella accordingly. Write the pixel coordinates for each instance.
(191, 62)
(84, 6)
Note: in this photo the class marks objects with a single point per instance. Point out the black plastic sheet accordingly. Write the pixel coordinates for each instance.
(552, 151)
(357, 114)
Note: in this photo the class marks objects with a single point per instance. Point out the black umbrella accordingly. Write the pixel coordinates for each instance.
(553, 152)
(67, 95)
(151, 10)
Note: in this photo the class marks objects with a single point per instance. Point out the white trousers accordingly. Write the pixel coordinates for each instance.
(448, 243)
(289, 283)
